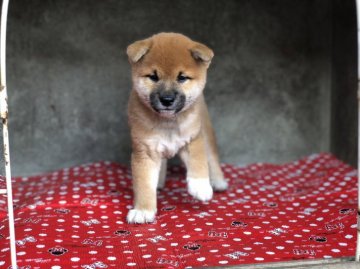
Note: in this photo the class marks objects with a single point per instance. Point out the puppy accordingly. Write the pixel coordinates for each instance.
(168, 115)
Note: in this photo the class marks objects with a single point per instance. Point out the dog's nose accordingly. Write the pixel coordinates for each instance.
(167, 98)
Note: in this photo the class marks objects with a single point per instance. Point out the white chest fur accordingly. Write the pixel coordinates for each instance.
(170, 144)
(170, 138)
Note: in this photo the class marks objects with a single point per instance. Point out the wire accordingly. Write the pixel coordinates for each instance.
(4, 117)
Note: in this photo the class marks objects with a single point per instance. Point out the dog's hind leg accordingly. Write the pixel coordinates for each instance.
(162, 174)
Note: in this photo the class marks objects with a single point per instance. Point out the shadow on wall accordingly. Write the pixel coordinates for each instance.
(268, 87)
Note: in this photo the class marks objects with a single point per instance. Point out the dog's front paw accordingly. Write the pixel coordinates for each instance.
(140, 216)
(219, 184)
(200, 188)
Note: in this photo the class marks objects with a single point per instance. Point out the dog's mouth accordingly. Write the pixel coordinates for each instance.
(167, 103)
(166, 113)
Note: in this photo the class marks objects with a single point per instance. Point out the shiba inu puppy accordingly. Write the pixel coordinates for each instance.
(168, 115)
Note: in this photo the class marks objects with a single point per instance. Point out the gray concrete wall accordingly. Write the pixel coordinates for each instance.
(268, 88)
(344, 82)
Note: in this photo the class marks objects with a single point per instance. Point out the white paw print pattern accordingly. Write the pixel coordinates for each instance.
(76, 218)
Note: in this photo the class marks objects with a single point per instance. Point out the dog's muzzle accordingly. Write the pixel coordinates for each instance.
(167, 101)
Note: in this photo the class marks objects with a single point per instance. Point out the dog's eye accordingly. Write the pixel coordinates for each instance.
(154, 77)
(182, 78)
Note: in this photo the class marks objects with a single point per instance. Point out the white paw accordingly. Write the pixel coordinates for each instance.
(140, 216)
(219, 184)
(200, 188)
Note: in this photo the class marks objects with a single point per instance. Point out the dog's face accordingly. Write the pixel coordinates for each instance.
(169, 71)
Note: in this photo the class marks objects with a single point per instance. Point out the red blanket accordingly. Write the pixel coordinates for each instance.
(75, 218)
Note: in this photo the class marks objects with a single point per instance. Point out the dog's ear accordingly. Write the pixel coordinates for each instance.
(202, 53)
(138, 49)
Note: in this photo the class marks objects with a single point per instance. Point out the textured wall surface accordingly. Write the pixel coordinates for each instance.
(268, 87)
(344, 82)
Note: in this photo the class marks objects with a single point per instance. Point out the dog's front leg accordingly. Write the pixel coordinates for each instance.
(145, 173)
(195, 159)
